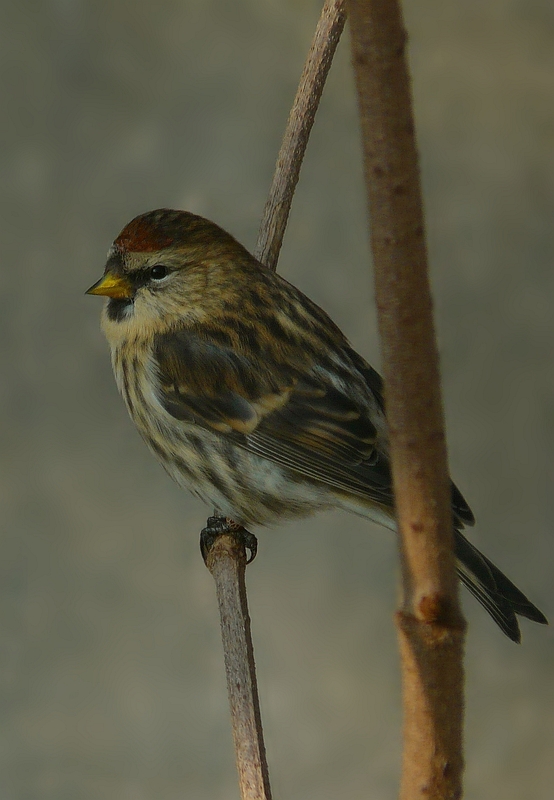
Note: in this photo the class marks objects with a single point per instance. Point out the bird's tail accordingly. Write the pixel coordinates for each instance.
(493, 589)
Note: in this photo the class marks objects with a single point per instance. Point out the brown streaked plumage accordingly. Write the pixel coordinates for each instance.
(249, 394)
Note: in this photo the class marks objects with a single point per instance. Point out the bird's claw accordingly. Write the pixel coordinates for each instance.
(218, 526)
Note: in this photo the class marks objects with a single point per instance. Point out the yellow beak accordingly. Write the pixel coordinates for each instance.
(111, 285)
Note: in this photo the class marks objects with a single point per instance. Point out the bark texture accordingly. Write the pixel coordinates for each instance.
(430, 625)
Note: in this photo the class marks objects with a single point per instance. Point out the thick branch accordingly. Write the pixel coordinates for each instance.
(299, 125)
(430, 623)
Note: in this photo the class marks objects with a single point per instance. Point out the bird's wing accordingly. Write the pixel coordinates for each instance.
(298, 420)
(295, 417)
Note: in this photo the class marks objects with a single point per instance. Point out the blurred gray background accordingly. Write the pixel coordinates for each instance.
(110, 663)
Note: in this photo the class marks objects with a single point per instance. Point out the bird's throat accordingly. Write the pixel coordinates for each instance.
(119, 310)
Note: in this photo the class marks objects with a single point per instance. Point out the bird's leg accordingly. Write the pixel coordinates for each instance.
(219, 526)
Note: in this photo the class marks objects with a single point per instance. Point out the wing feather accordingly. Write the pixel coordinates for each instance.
(297, 420)
(291, 414)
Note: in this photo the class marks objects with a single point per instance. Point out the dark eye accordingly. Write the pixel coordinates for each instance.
(158, 272)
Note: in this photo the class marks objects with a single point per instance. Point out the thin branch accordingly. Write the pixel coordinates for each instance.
(430, 625)
(299, 125)
(226, 561)
(225, 557)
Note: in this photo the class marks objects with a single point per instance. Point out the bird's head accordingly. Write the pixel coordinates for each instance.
(167, 265)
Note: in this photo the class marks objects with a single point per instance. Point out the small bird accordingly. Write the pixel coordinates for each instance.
(250, 395)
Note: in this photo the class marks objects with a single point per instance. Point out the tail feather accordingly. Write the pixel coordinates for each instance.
(496, 593)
